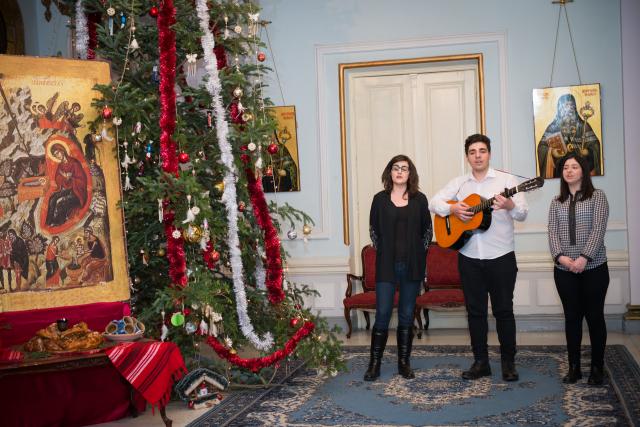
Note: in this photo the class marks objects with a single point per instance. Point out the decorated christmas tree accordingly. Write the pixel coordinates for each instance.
(187, 113)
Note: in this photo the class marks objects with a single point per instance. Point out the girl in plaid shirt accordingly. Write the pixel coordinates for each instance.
(577, 224)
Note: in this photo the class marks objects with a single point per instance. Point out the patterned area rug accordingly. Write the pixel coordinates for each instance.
(438, 396)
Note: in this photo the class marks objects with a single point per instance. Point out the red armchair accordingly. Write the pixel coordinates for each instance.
(365, 300)
(443, 288)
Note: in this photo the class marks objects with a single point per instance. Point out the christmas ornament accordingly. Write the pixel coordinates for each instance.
(215, 256)
(190, 328)
(183, 157)
(161, 252)
(238, 92)
(111, 13)
(245, 158)
(148, 150)
(251, 146)
(306, 229)
(294, 322)
(292, 234)
(282, 172)
(154, 74)
(273, 148)
(107, 112)
(164, 329)
(123, 20)
(247, 116)
(117, 121)
(191, 64)
(261, 56)
(219, 187)
(241, 206)
(177, 319)
(192, 233)
(237, 29)
(137, 280)
(153, 12)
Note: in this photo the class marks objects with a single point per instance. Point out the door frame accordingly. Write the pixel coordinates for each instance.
(342, 78)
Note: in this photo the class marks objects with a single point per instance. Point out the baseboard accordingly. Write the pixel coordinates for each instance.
(524, 322)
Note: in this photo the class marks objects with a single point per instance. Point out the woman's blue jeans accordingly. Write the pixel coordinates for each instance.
(406, 301)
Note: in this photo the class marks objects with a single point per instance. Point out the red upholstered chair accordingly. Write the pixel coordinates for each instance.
(365, 300)
(443, 288)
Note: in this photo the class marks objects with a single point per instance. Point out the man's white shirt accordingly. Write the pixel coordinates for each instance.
(498, 239)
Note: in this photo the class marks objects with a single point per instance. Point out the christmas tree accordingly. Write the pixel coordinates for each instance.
(187, 113)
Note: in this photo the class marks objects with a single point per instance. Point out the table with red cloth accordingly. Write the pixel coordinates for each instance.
(81, 388)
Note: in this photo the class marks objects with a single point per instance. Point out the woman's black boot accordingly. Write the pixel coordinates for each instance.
(573, 375)
(596, 377)
(378, 343)
(405, 339)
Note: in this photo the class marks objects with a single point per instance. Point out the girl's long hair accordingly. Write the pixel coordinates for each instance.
(412, 182)
(586, 186)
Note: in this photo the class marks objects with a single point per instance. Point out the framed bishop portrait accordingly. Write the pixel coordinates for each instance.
(567, 119)
(61, 230)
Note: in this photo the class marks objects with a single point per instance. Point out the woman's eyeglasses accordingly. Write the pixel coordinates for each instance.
(402, 169)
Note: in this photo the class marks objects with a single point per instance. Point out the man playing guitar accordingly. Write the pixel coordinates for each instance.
(487, 261)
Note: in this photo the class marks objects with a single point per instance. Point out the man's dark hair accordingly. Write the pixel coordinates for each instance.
(476, 137)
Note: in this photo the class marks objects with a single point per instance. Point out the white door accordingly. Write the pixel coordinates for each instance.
(425, 115)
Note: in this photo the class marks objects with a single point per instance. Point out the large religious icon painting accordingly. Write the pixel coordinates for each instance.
(567, 120)
(283, 172)
(61, 230)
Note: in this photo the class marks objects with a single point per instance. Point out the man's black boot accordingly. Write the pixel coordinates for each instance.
(404, 335)
(378, 343)
(479, 369)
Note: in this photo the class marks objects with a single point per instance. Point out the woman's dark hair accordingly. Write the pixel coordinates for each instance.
(412, 182)
(586, 186)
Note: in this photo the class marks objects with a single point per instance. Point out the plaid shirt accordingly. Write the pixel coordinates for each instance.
(577, 227)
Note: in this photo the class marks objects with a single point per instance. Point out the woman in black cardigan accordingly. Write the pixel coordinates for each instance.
(401, 229)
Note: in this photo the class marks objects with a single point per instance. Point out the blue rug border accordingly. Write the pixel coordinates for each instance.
(622, 368)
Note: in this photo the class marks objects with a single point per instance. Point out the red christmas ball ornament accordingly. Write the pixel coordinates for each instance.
(261, 56)
(215, 256)
(273, 148)
(153, 12)
(241, 206)
(245, 158)
(107, 112)
(244, 148)
(183, 158)
(186, 311)
(294, 322)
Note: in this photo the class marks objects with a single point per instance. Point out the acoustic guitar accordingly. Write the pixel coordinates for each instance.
(452, 232)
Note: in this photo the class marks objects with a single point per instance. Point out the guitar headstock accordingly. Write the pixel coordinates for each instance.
(531, 184)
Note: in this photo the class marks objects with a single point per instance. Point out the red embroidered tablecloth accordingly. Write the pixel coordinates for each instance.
(150, 367)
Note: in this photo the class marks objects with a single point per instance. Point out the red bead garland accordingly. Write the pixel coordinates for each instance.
(257, 363)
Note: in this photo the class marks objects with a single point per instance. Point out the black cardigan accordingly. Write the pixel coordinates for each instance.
(382, 220)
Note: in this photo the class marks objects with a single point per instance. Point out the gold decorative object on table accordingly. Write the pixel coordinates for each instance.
(52, 340)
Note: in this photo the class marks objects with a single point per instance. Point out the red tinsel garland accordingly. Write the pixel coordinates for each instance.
(175, 249)
(273, 280)
(168, 147)
(257, 363)
(94, 18)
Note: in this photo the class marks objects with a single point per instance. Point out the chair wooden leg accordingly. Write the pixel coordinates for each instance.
(347, 316)
(416, 315)
(366, 317)
(426, 319)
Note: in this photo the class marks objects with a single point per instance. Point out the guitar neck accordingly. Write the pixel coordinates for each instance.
(488, 202)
